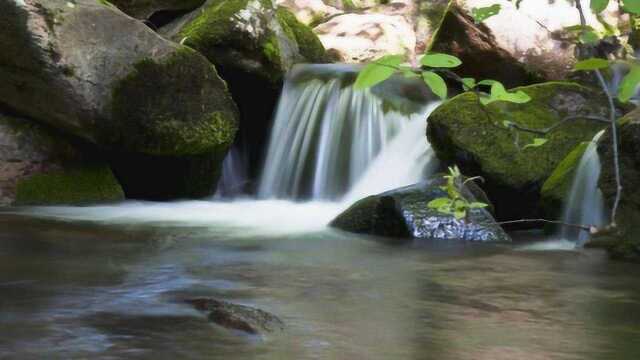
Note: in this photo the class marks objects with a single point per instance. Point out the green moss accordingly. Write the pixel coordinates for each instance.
(308, 43)
(461, 131)
(176, 106)
(80, 185)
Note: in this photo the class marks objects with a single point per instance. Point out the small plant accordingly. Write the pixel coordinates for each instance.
(454, 203)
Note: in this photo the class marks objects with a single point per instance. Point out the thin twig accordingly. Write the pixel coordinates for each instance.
(579, 226)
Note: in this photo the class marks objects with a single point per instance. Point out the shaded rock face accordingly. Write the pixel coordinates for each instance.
(89, 70)
(39, 167)
(403, 213)
(623, 242)
(237, 317)
(144, 9)
(517, 46)
(253, 44)
(462, 133)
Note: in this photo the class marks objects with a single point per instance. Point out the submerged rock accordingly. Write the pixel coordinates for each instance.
(87, 69)
(40, 167)
(623, 241)
(403, 213)
(238, 317)
(517, 46)
(464, 134)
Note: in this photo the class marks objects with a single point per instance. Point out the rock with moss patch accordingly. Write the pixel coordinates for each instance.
(143, 9)
(404, 214)
(87, 69)
(463, 133)
(622, 241)
(41, 167)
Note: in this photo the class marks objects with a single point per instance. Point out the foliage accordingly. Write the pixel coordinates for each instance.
(454, 204)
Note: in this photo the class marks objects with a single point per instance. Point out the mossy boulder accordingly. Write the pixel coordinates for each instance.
(143, 9)
(622, 241)
(404, 214)
(39, 166)
(89, 70)
(253, 44)
(463, 133)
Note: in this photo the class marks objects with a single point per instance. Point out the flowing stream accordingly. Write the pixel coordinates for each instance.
(109, 281)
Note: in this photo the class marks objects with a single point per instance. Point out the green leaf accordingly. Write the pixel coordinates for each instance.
(536, 143)
(629, 84)
(437, 60)
(481, 14)
(468, 83)
(507, 124)
(439, 202)
(377, 71)
(477, 205)
(435, 83)
(589, 37)
(598, 6)
(591, 64)
(460, 214)
(631, 6)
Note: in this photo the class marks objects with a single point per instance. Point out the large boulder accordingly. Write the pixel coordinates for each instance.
(404, 213)
(144, 9)
(517, 46)
(86, 68)
(622, 241)
(253, 44)
(41, 167)
(463, 133)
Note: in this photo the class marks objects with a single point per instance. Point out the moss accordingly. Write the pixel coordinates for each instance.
(308, 43)
(461, 131)
(81, 185)
(175, 106)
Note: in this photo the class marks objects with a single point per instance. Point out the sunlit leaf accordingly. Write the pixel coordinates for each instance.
(536, 143)
(591, 64)
(468, 83)
(483, 13)
(460, 214)
(435, 83)
(439, 202)
(629, 84)
(589, 37)
(477, 205)
(598, 6)
(378, 71)
(436, 60)
(631, 6)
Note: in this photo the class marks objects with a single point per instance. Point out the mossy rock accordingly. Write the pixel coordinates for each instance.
(82, 185)
(463, 133)
(157, 100)
(143, 9)
(623, 241)
(308, 43)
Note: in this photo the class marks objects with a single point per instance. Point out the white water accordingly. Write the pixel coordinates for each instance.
(585, 204)
(329, 139)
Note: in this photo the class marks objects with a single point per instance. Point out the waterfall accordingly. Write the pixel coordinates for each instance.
(585, 204)
(329, 139)
(234, 177)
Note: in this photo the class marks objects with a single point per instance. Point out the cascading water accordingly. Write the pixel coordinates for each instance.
(329, 139)
(585, 204)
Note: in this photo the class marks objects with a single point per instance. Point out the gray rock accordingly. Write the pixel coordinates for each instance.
(238, 317)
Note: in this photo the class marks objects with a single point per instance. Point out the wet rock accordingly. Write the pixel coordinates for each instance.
(403, 213)
(237, 317)
(622, 242)
(41, 167)
(143, 9)
(462, 133)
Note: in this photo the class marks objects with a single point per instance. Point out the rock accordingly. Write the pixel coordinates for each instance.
(309, 12)
(403, 213)
(40, 167)
(143, 9)
(517, 46)
(253, 44)
(462, 133)
(623, 241)
(238, 317)
(399, 27)
(86, 68)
